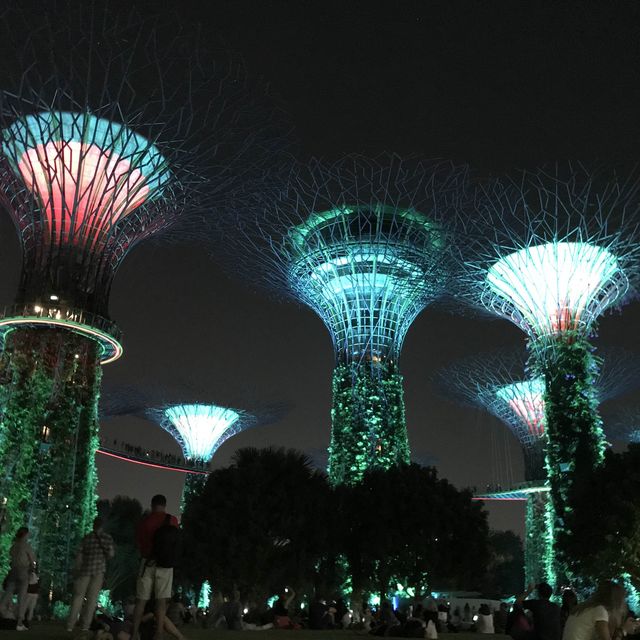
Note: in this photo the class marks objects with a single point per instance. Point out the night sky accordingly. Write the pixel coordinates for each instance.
(494, 84)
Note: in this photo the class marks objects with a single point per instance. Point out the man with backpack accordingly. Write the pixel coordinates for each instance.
(95, 550)
(157, 540)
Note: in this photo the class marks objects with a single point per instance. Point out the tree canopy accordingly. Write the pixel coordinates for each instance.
(607, 512)
(269, 520)
(258, 524)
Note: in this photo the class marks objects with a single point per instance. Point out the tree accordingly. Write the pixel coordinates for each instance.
(505, 570)
(121, 517)
(258, 524)
(404, 525)
(606, 510)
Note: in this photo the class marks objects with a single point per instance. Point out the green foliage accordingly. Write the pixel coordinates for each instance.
(505, 575)
(26, 402)
(61, 610)
(193, 485)
(538, 542)
(121, 517)
(368, 421)
(51, 422)
(575, 440)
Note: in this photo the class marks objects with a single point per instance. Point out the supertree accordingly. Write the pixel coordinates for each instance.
(200, 427)
(551, 250)
(114, 128)
(498, 383)
(200, 430)
(360, 242)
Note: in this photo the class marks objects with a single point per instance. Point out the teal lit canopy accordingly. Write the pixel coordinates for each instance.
(555, 287)
(367, 271)
(200, 429)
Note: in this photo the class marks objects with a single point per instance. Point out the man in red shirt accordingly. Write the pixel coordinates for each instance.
(152, 579)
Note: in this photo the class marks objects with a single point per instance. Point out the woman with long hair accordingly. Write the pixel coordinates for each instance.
(22, 560)
(600, 616)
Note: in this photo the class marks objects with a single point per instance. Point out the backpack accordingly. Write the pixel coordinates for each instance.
(166, 543)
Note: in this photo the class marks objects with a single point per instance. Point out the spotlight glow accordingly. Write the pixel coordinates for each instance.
(554, 287)
(201, 428)
(87, 173)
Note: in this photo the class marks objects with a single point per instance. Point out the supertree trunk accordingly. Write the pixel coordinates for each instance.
(51, 411)
(575, 440)
(369, 427)
(537, 541)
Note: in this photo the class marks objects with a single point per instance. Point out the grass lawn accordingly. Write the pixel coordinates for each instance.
(47, 631)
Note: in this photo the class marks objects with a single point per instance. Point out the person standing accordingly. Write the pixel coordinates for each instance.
(157, 541)
(22, 560)
(95, 550)
(546, 614)
(484, 622)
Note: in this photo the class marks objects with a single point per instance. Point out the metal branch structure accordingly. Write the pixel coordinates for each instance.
(497, 382)
(114, 128)
(551, 250)
(359, 241)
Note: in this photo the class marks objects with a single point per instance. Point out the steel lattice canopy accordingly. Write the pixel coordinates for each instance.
(367, 272)
(200, 429)
(555, 287)
(86, 173)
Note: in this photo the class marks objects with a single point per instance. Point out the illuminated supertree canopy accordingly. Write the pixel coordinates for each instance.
(551, 250)
(360, 242)
(555, 287)
(199, 427)
(497, 383)
(114, 128)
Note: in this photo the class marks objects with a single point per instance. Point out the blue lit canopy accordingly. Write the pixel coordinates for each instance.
(367, 271)
(200, 429)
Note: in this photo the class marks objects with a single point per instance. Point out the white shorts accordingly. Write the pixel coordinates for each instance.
(152, 580)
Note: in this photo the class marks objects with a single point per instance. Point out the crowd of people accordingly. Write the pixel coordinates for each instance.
(603, 616)
(156, 610)
(153, 455)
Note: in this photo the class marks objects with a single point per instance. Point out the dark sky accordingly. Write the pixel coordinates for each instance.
(495, 84)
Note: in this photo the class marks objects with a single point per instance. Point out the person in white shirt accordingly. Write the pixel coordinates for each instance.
(600, 616)
(484, 622)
